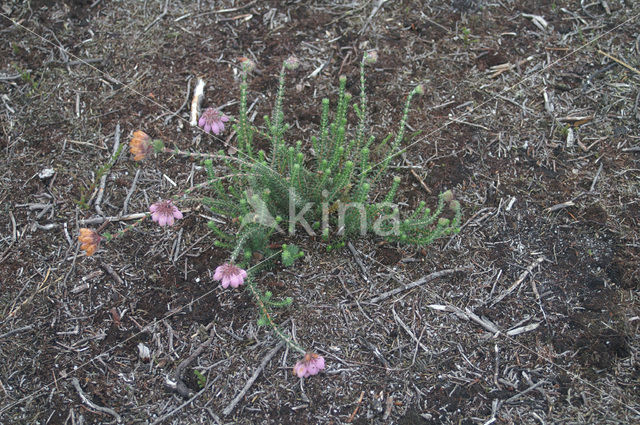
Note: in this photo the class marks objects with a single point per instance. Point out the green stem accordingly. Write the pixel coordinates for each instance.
(264, 311)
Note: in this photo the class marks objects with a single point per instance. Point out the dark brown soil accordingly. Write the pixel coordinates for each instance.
(549, 190)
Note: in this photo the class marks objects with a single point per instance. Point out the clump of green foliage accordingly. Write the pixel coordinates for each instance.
(328, 181)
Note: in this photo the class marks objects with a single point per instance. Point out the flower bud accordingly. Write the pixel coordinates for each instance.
(419, 89)
(447, 196)
(292, 62)
(371, 57)
(247, 64)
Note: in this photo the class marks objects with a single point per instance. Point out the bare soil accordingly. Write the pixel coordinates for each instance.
(527, 116)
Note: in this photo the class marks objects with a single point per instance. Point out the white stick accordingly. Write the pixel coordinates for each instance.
(195, 102)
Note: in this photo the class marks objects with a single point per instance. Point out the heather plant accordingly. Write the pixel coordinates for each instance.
(329, 181)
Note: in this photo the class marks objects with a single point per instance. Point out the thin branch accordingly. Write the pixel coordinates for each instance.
(363, 270)
(198, 92)
(178, 385)
(418, 282)
(125, 207)
(103, 179)
(619, 61)
(160, 16)
(186, 100)
(91, 404)
(517, 283)
(177, 409)
(595, 179)
(15, 331)
(227, 410)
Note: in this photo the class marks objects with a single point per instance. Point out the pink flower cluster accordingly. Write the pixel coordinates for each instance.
(212, 120)
(164, 212)
(311, 364)
(228, 274)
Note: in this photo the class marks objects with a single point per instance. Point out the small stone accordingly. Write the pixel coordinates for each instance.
(47, 173)
(143, 352)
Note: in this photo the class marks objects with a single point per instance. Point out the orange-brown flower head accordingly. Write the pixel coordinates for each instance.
(90, 240)
(140, 145)
(247, 64)
(371, 57)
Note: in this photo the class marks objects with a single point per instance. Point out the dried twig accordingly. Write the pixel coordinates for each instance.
(125, 207)
(619, 61)
(192, 245)
(103, 179)
(485, 323)
(160, 16)
(468, 123)
(321, 67)
(14, 237)
(178, 385)
(195, 102)
(407, 330)
(528, 390)
(233, 9)
(12, 77)
(496, 70)
(186, 100)
(176, 246)
(595, 179)
(100, 220)
(15, 331)
(107, 268)
(522, 329)
(418, 282)
(560, 206)
(415, 175)
(227, 410)
(177, 409)
(602, 70)
(467, 314)
(91, 404)
(537, 20)
(388, 407)
(78, 62)
(355, 411)
(517, 283)
(473, 217)
(375, 10)
(363, 270)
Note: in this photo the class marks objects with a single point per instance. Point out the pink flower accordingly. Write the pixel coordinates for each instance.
(212, 120)
(164, 212)
(229, 274)
(311, 364)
